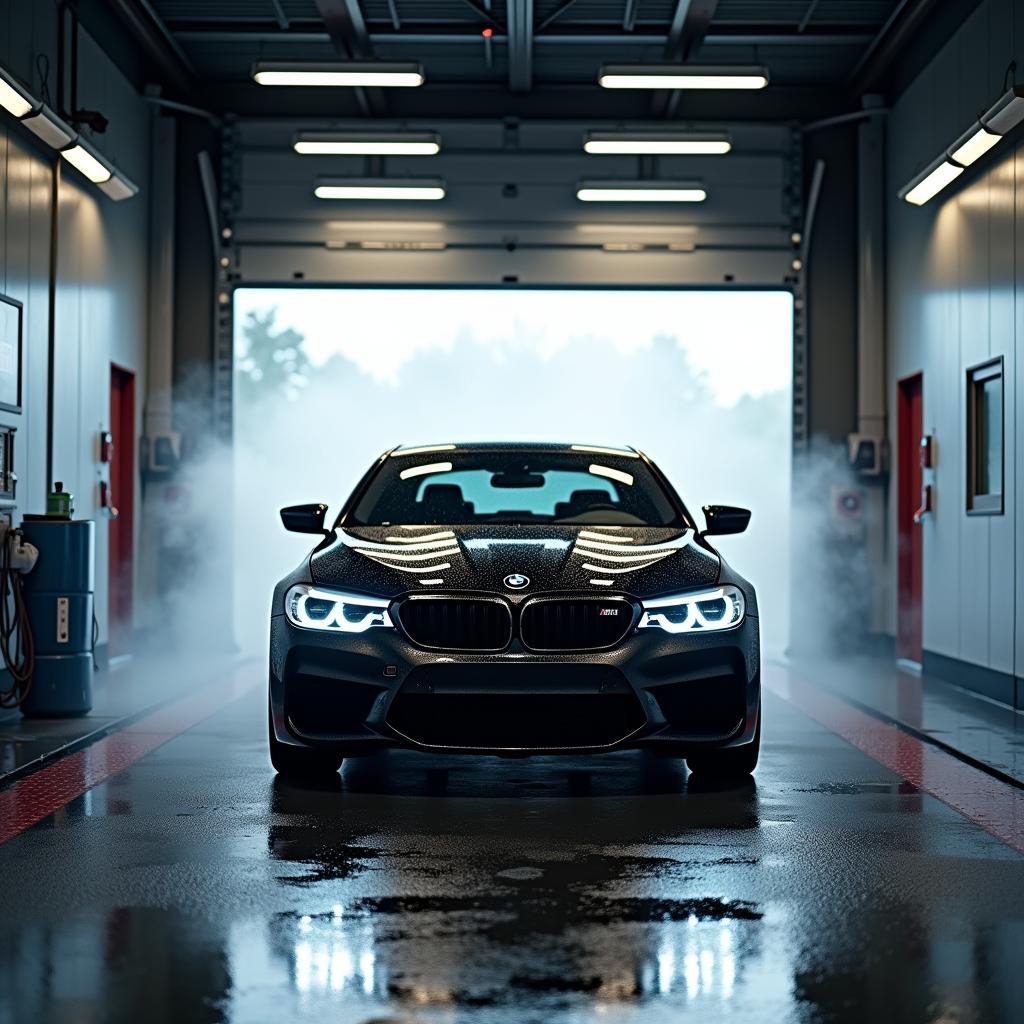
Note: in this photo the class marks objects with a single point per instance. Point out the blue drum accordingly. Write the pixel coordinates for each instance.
(59, 600)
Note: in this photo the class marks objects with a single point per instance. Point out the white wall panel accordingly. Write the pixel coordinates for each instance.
(974, 594)
(1002, 271)
(954, 300)
(100, 298)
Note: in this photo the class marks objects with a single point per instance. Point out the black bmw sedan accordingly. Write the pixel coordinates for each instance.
(514, 599)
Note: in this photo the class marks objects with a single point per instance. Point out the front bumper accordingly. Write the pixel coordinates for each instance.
(362, 692)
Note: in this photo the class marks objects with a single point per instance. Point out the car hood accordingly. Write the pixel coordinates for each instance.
(391, 560)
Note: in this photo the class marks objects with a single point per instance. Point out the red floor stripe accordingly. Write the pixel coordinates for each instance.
(46, 791)
(995, 806)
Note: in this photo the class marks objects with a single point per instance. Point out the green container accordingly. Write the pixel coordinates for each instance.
(59, 503)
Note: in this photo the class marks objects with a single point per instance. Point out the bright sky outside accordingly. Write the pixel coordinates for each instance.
(735, 336)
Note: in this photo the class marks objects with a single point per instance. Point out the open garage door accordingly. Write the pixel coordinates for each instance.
(327, 378)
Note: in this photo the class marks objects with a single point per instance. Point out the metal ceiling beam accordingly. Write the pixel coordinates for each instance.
(455, 34)
(554, 16)
(520, 45)
(346, 27)
(157, 43)
(899, 29)
(690, 24)
(282, 18)
(808, 14)
(485, 15)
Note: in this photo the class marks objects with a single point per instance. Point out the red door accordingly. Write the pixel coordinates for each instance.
(122, 497)
(910, 550)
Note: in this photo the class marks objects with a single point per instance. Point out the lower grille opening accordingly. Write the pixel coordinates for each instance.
(321, 707)
(502, 721)
(709, 708)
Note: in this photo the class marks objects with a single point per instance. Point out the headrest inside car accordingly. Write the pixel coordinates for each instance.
(580, 501)
(442, 500)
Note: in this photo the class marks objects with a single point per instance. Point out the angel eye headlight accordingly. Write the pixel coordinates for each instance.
(703, 612)
(331, 610)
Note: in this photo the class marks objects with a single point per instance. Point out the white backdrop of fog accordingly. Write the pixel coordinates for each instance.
(328, 379)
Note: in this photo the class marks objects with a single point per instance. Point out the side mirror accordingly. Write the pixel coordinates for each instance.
(722, 519)
(304, 518)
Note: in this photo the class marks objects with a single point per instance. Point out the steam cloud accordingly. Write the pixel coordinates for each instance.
(307, 434)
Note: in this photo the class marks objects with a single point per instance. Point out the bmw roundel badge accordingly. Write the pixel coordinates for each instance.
(517, 581)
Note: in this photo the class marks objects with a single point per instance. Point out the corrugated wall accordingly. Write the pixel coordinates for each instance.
(955, 299)
(100, 307)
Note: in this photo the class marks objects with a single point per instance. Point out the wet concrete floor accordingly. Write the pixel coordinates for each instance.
(195, 886)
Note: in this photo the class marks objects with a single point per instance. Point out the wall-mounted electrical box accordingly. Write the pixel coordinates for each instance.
(869, 455)
(8, 478)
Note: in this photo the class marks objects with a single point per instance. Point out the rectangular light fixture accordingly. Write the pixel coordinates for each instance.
(367, 143)
(380, 188)
(974, 143)
(81, 157)
(641, 192)
(13, 98)
(345, 73)
(48, 127)
(118, 187)
(997, 121)
(1006, 113)
(682, 76)
(39, 119)
(931, 181)
(686, 143)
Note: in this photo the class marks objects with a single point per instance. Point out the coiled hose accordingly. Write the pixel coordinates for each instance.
(16, 644)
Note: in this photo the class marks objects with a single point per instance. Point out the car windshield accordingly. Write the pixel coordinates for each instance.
(474, 486)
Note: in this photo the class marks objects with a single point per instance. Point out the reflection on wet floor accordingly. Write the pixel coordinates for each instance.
(197, 887)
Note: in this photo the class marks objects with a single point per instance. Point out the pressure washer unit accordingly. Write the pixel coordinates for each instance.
(58, 598)
(17, 557)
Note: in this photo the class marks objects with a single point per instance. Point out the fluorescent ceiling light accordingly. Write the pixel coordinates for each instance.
(380, 188)
(1007, 112)
(930, 182)
(337, 74)
(974, 143)
(46, 125)
(657, 143)
(682, 76)
(80, 157)
(367, 143)
(641, 192)
(13, 98)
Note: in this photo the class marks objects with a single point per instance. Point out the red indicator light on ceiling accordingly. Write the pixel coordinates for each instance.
(487, 33)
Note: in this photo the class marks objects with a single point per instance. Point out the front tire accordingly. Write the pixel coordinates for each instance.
(300, 762)
(729, 763)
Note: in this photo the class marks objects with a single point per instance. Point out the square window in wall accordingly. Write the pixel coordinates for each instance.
(985, 438)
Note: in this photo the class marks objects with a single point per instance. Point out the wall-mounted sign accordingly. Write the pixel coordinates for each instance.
(10, 354)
